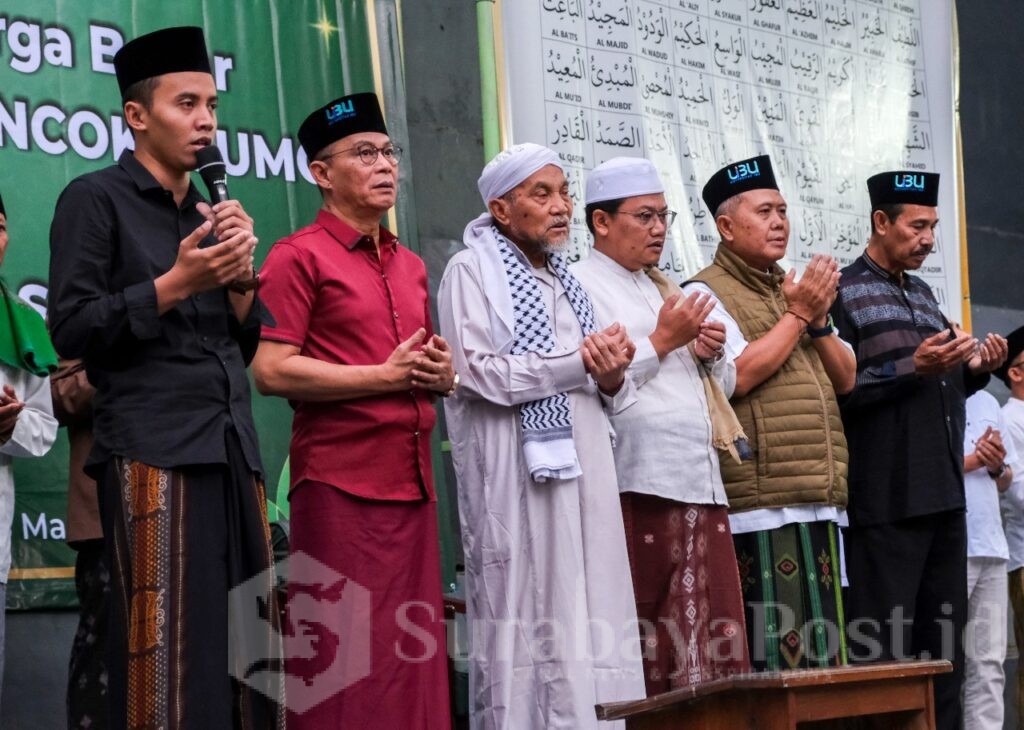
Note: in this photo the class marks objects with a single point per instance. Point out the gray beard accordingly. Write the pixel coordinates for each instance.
(550, 248)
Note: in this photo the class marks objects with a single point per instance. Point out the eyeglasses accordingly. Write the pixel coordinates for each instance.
(368, 153)
(646, 217)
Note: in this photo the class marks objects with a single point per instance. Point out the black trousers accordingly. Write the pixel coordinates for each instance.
(87, 668)
(908, 598)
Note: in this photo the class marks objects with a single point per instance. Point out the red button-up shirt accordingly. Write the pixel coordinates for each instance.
(334, 298)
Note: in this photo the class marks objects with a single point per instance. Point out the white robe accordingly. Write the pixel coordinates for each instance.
(549, 598)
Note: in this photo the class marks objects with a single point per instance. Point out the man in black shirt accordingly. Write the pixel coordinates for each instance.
(906, 547)
(155, 291)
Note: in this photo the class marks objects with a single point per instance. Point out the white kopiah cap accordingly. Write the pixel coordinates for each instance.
(622, 177)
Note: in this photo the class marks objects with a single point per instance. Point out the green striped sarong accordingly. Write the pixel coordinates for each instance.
(791, 596)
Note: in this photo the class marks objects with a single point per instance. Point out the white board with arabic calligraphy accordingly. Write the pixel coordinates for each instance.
(833, 90)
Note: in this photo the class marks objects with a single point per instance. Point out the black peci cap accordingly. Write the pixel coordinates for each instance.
(166, 51)
(907, 187)
(348, 115)
(755, 173)
(1015, 342)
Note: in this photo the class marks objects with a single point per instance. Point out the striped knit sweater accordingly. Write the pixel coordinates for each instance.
(904, 431)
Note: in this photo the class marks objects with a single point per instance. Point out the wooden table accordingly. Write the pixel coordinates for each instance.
(889, 696)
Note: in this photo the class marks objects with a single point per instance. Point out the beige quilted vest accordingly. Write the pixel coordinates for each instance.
(792, 419)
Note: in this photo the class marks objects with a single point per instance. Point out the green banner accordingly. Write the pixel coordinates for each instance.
(60, 116)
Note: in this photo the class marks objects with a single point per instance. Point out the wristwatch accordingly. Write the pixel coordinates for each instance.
(245, 285)
(451, 390)
(1000, 472)
(819, 332)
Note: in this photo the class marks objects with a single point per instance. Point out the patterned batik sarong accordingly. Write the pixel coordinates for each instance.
(792, 596)
(687, 591)
(179, 540)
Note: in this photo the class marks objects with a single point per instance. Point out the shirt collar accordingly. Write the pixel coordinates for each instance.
(614, 266)
(899, 280)
(348, 236)
(144, 179)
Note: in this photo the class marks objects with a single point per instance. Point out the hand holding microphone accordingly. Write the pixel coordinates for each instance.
(231, 225)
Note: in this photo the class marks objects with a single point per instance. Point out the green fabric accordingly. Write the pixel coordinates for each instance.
(24, 342)
(771, 624)
(840, 611)
(787, 569)
(278, 508)
(794, 606)
(817, 617)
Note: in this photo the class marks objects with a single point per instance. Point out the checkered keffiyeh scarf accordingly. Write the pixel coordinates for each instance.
(547, 423)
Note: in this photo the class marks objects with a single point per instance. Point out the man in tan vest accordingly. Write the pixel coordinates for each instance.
(786, 499)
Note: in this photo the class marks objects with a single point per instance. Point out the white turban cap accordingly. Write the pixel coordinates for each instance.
(622, 177)
(510, 167)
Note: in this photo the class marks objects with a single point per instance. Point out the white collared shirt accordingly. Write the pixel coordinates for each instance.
(664, 439)
(985, 538)
(1012, 500)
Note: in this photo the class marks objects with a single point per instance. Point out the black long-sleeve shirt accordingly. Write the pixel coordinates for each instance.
(905, 431)
(168, 386)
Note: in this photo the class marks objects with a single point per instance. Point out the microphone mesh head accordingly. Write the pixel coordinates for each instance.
(210, 162)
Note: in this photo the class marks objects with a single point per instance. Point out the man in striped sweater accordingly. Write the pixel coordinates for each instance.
(906, 547)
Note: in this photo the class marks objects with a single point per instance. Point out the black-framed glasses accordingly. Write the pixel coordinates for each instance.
(646, 217)
(368, 153)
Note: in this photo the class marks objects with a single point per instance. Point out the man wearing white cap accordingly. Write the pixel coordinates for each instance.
(549, 599)
(673, 503)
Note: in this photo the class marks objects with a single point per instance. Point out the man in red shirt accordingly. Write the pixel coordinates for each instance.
(355, 354)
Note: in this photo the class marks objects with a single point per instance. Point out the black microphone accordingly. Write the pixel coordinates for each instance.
(210, 166)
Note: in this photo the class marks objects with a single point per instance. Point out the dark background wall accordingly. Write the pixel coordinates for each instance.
(991, 112)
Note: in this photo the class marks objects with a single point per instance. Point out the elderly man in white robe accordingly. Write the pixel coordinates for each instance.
(674, 505)
(553, 626)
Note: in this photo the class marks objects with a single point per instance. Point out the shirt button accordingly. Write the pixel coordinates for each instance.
(416, 434)
(396, 315)
(205, 338)
(947, 419)
(943, 383)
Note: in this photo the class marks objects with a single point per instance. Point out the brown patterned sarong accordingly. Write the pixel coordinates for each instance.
(179, 541)
(687, 591)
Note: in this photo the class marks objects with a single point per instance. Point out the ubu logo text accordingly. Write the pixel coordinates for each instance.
(743, 171)
(909, 182)
(340, 111)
